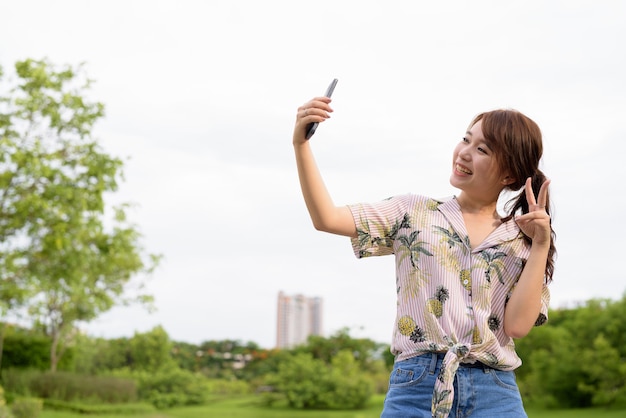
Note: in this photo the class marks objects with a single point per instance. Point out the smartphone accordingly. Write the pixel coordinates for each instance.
(310, 129)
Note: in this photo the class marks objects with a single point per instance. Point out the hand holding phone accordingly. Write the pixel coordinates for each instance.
(311, 127)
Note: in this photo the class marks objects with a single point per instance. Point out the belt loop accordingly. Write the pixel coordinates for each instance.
(433, 363)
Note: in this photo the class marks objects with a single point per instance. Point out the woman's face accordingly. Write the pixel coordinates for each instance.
(474, 166)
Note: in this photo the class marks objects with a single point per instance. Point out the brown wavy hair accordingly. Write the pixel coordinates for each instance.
(517, 144)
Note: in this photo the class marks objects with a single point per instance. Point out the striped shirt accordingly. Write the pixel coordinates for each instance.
(450, 297)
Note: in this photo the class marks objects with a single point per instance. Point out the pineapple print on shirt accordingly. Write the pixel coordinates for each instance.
(435, 304)
(408, 327)
(466, 279)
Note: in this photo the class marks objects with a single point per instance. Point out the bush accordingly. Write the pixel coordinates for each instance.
(27, 407)
(228, 387)
(4, 411)
(170, 388)
(309, 383)
(92, 409)
(67, 386)
(25, 349)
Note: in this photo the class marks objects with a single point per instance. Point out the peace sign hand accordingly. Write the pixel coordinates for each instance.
(536, 223)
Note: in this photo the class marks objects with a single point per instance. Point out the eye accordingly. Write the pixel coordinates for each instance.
(465, 140)
(482, 150)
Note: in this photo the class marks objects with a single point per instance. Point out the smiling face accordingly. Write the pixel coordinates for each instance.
(475, 168)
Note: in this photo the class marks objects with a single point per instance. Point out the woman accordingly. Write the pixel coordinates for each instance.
(468, 280)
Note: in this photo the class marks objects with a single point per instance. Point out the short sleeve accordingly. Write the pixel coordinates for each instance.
(377, 225)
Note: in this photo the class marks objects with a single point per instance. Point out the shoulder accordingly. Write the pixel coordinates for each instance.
(421, 200)
(408, 204)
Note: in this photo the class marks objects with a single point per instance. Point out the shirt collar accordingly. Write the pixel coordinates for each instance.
(506, 231)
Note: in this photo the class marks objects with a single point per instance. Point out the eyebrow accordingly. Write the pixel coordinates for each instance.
(468, 133)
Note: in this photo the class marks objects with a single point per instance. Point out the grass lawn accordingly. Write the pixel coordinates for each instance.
(575, 413)
(246, 407)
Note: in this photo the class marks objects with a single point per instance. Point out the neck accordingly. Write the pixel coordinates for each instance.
(486, 208)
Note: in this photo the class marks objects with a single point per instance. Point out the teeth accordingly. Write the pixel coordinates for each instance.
(463, 170)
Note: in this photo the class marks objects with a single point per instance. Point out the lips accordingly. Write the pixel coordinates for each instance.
(462, 169)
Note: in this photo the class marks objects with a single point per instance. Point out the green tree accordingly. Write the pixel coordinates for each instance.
(338, 372)
(224, 358)
(152, 351)
(310, 383)
(58, 244)
(186, 355)
(551, 371)
(576, 360)
(25, 349)
(98, 355)
(607, 374)
(13, 290)
(365, 351)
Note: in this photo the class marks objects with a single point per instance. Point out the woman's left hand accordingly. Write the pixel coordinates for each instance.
(536, 223)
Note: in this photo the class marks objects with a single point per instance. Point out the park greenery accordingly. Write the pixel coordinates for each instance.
(66, 258)
(62, 260)
(574, 361)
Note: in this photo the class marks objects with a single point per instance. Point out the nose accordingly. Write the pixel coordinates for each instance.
(464, 153)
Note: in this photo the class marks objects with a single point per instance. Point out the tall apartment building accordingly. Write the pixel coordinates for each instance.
(298, 317)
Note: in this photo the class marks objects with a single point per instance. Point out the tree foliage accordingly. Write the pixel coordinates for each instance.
(575, 361)
(338, 372)
(364, 350)
(99, 355)
(578, 359)
(218, 359)
(25, 349)
(57, 246)
(310, 383)
(151, 351)
(160, 381)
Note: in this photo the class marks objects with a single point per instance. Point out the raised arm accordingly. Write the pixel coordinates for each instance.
(525, 303)
(325, 215)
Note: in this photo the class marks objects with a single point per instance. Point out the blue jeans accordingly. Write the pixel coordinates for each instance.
(479, 391)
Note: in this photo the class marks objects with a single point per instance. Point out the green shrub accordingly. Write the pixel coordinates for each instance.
(25, 349)
(228, 387)
(110, 409)
(269, 399)
(67, 386)
(5, 412)
(309, 383)
(169, 388)
(27, 407)
(18, 381)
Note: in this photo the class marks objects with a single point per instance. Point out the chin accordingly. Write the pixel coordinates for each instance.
(454, 182)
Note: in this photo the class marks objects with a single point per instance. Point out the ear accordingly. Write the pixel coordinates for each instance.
(507, 180)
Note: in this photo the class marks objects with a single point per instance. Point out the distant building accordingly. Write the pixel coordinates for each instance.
(298, 317)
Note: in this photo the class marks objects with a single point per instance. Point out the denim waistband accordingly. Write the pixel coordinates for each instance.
(438, 357)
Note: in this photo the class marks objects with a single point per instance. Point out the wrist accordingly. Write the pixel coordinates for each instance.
(299, 142)
(540, 245)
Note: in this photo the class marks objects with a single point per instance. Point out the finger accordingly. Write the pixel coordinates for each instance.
(317, 106)
(322, 99)
(530, 216)
(543, 194)
(312, 115)
(530, 196)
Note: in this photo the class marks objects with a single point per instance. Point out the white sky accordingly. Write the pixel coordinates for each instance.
(201, 97)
